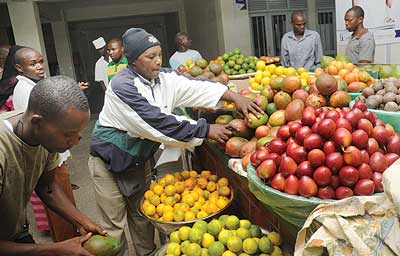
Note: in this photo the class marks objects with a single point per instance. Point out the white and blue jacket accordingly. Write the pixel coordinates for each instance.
(137, 116)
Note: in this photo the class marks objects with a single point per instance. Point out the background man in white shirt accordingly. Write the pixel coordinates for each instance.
(100, 72)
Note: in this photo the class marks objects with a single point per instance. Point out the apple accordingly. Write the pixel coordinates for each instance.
(314, 128)
(365, 171)
(380, 134)
(293, 127)
(316, 157)
(299, 154)
(277, 146)
(283, 132)
(304, 169)
(329, 147)
(334, 162)
(322, 176)
(359, 138)
(266, 169)
(291, 146)
(360, 105)
(393, 144)
(275, 157)
(348, 176)
(371, 116)
(365, 125)
(391, 158)
(332, 114)
(259, 156)
(377, 178)
(292, 185)
(326, 193)
(390, 129)
(307, 187)
(372, 146)
(261, 131)
(327, 128)
(313, 141)
(364, 187)
(308, 117)
(288, 166)
(379, 122)
(343, 123)
(351, 117)
(302, 133)
(364, 156)
(278, 182)
(352, 156)
(378, 162)
(343, 192)
(342, 137)
(335, 181)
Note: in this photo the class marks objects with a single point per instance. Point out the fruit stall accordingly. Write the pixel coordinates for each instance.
(325, 136)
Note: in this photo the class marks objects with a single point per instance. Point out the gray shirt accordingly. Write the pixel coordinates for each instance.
(304, 52)
(362, 48)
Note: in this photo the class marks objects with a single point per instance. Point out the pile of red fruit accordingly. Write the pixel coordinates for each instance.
(329, 153)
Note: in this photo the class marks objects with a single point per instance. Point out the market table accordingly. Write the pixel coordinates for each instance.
(209, 156)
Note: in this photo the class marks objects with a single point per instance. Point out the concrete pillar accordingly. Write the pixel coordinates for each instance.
(63, 47)
(25, 21)
(312, 14)
(235, 27)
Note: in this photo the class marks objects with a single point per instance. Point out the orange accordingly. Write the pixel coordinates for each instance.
(223, 182)
(179, 215)
(318, 71)
(170, 190)
(168, 216)
(148, 194)
(158, 189)
(339, 65)
(213, 178)
(211, 186)
(212, 208)
(205, 174)
(201, 214)
(190, 183)
(202, 182)
(189, 216)
(332, 70)
(342, 73)
(154, 200)
(162, 182)
(179, 187)
(149, 210)
(177, 197)
(193, 174)
(221, 203)
(178, 176)
(351, 77)
(349, 66)
(185, 174)
(169, 179)
(170, 200)
(224, 191)
(160, 209)
(363, 76)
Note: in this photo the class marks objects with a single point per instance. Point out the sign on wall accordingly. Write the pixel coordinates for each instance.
(382, 18)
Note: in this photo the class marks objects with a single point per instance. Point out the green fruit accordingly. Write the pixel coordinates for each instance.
(202, 63)
(204, 252)
(236, 51)
(222, 218)
(174, 237)
(234, 244)
(216, 249)
(232, 222)
(196, 71)
(201, 224)
(225, 56)
(250, 246)
(223, 119)
(255, 121)
(245, 223)
(252, 65)
(214, 227)
(231, 63)
(234, 72)
(276, 251)
(250, 70)
(265, 245)
(239, 61)
(236, 67)
(184, 246)
(193, 250)
(215, 68)
(255, 231)
(275, 238)
(223, 236)
(184, 233)
(342, 57)
(196, 235)
(243, 233)
(102, 245)
(173, 249)
(242, 71)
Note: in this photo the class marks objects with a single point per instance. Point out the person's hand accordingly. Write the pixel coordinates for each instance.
(73, 247)
(89, 226)
(219, 132)
(83, 85)
(245, 106)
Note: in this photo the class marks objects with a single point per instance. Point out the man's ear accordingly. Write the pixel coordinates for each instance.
(36, 120)
(18, 67)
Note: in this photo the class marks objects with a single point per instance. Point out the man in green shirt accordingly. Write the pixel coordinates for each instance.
(119, 62)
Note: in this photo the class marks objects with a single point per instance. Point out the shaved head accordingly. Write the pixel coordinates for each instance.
(357, 11)
(22, 53)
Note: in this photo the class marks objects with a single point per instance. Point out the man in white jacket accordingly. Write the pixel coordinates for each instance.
(100, 72)
(136, 118)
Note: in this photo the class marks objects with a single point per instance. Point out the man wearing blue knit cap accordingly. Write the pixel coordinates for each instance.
(136, 118)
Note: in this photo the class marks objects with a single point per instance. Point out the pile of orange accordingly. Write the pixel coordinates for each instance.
(186, 196)
(349, 73)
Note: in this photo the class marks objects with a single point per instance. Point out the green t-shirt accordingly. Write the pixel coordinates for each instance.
(21, 166)
(113, 67)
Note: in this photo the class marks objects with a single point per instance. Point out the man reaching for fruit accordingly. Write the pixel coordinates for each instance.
(136, 118)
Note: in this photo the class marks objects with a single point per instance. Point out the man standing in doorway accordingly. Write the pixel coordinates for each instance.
(301, 47)
(119, 61)
(361, 47)
(100, 72)
(183, 53)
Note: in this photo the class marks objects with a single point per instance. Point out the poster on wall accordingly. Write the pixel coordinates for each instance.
(381, 17)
